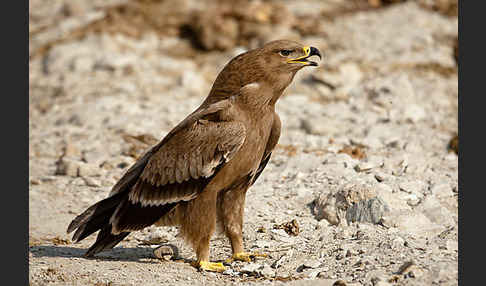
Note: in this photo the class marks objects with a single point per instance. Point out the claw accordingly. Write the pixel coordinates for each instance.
(209, 266)
(245, 256)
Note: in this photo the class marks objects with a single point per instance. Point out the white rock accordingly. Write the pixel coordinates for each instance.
(412, 200)
(398, 242)
(364, 167)
(413, 222)
(313, 274)
(156, 237)
(231, 272)
(96, 156)
(83, 63)
(382, 282)
(414, 113)
(250, 268)
(279, 232)
(91, 182)
(68, 167)
(413, 187)
(435, 212)
(267, 271)
(319, 126)
(262, 244)
(442, 190)
(87, 170)
(312, 263)
(452, 245)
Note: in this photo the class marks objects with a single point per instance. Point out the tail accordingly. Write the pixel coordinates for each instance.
(105, 240)
(95, 218)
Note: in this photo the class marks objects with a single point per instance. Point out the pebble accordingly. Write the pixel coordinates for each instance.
(279, 233)
(410, 187)
(412, 200)
(452, 245)
(398, 242)
(442, 190)
(70, 150)
(165, 252)
(276, 264)
(414, 222)
(48, 179)
(231, 272)
(313, 274)
(250, 268)
(435, 212)
(267, 271)
(67, 167)
(91, 182)
(155, 237)
(382, 282)
(380, 177)
(262, 244)
(414, 113)
(318, 126)
(312, 263)
(364, 167)
(405, 267)
(88, 170)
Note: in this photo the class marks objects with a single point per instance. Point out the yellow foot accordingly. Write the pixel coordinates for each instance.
(245, 256)
(209, 266)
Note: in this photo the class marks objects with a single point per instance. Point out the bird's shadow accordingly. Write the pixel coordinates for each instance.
(138, 254)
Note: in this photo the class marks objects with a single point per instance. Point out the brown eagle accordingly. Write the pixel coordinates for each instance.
(197, 176)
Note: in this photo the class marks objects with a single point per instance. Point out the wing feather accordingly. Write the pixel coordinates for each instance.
(191, 155)
(177, 168)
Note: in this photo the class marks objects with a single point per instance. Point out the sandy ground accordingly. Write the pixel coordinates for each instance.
(362, 188)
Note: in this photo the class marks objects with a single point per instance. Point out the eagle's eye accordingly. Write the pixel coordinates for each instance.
(285, 53)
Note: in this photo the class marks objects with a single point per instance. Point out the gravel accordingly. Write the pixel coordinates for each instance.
(361, 189)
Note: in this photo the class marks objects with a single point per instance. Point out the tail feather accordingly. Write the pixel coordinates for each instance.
(95, 218)
(91, 226)
(102, 208)
(105, 240)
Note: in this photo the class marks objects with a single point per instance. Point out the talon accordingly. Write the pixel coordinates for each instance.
(245, 256)
(209, 266)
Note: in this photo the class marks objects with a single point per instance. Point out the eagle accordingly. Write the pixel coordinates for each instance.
(197, 176)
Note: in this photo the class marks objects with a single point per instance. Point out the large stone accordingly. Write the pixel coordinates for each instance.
(371, 210)
(351, 202)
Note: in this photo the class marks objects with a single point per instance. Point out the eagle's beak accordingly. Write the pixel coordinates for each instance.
(308, 52)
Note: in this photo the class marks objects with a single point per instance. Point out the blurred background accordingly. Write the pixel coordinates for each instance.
(140, 65)
(109, 78)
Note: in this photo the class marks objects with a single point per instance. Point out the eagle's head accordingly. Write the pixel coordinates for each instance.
(287, 56)
(273, 65)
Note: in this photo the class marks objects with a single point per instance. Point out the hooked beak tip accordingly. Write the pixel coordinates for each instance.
(315, 52)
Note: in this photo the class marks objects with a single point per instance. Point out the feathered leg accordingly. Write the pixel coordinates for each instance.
(197, 226)
(231, 207)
